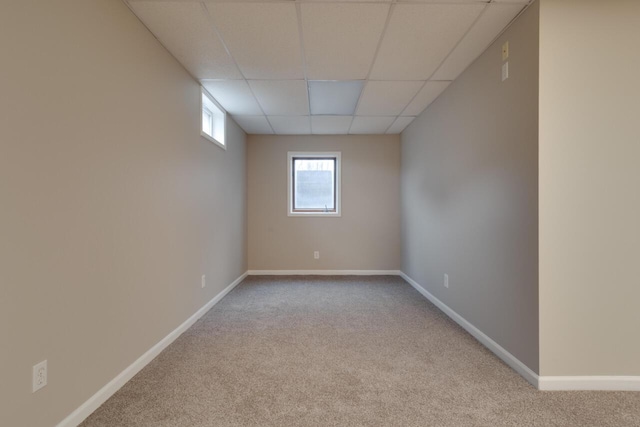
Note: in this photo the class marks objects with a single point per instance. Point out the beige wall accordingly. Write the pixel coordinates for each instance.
(365, 237)
(112, 205)
(589, 187)
(469, 194)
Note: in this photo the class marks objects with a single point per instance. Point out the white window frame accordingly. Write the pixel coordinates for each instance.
(215, 105)
(338, 178)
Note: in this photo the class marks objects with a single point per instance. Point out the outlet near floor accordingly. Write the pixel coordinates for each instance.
(39, 375)
(316, 255)
(446, 280)
(203, 282)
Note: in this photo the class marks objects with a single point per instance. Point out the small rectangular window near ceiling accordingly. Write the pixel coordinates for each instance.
(314, 184)
(213, 120)
(207, 121)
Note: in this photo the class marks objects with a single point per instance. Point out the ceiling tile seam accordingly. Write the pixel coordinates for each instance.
(375, 57)
(473, 24)
(385, 115)
(389, 127)
(401, 80)
(226, 48)
(331, 115)
(412, 119)
(414, 97)
(524, 8)
(445, 2)
(344, 1)
(392, 123)
(304, 59)
(287, 115)
(491, 2)
(360, 1)
(127, 3)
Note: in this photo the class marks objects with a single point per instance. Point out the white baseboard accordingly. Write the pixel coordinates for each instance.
(496, 348)
(324, 272)
(548, 383)
(623, 383)
(602, 383)
(94, 402)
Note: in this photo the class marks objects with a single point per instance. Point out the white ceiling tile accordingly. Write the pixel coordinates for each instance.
(257, 125)
(164, 1)
(373, 125)
(185, 30)
(386, 98)
(234, 96)
(444, 1)
(238, 1)
(399, 125)
(335, 97)
(281, 97)
(419, 37)
(486, 29)
(214, 1)
(330, 125)
(291, 125)
(263, 38)
(430, 91)
(340, 39)
(344, 1)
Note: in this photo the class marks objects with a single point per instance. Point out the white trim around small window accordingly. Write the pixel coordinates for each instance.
(303, 163)
(213, 119)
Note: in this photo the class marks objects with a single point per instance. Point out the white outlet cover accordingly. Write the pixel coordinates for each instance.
(39, 375)
(505, 71)
(446, 280)
(203, 283)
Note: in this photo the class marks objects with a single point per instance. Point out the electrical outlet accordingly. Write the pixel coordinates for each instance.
(316, 255)
(446, 280)
(39, 375)
(203, 282)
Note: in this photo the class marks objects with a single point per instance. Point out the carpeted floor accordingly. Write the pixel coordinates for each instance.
(341, 351)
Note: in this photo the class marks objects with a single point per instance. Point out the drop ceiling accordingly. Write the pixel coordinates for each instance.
(323, 66)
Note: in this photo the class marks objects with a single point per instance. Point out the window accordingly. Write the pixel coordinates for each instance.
(314, 184)
(213, 120)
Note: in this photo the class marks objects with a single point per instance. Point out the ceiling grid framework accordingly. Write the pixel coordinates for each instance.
(325, 66)
(251, 123)
(370, 124)
(289, 126)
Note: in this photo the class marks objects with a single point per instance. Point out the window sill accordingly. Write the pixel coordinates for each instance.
(215, 141)
(315, 214)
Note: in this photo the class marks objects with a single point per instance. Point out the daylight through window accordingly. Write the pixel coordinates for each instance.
(213, 120)
(314, 184)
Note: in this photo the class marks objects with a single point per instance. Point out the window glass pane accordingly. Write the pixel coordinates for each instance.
(314, 184)
(207, 122)
(213, 119)
(218, 126)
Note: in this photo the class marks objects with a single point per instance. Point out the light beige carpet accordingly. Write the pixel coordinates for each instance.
(341, 351)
